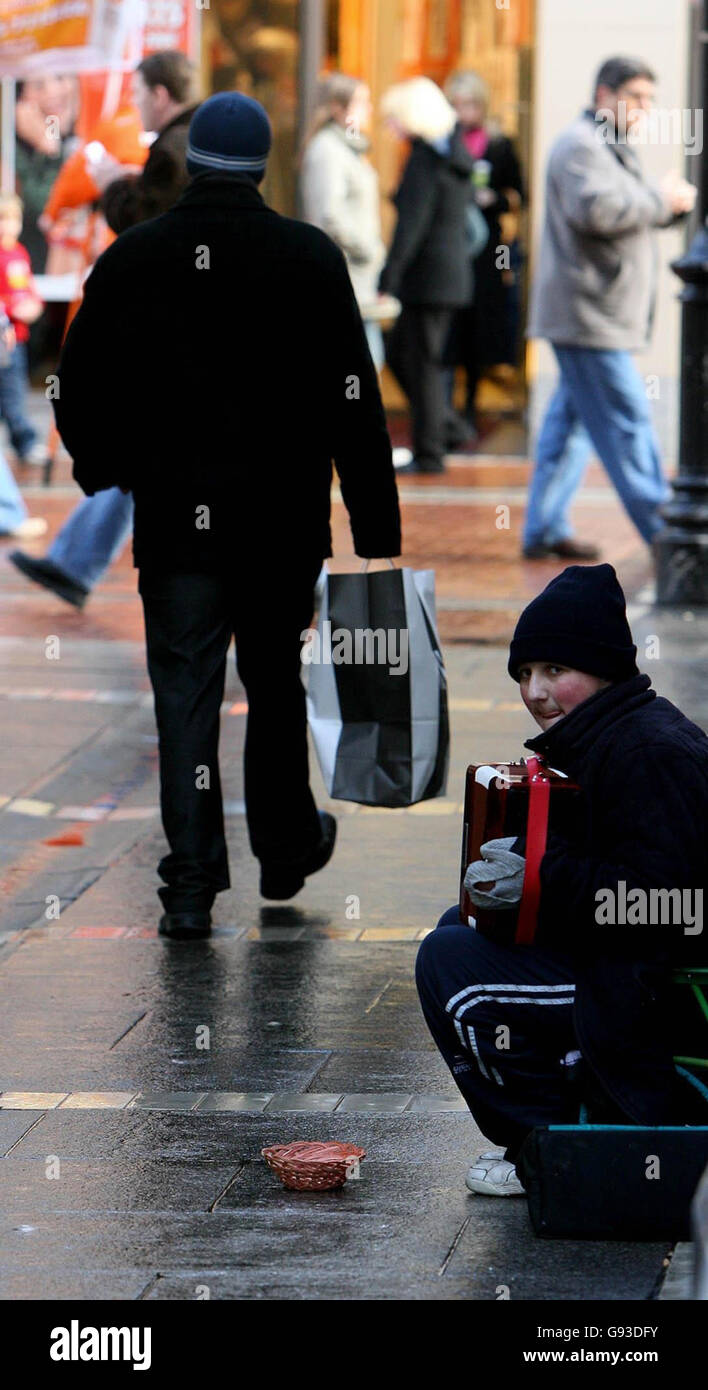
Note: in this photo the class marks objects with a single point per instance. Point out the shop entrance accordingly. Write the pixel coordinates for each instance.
(274, 49)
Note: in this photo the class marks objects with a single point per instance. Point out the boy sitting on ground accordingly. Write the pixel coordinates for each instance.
(587, 1006)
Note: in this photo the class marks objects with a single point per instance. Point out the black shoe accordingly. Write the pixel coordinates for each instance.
(575, 550)
(50, 577)
(564, 550)
(460, 435)
(537, 552)
(185, 926)
(416, 467)
(281, 881)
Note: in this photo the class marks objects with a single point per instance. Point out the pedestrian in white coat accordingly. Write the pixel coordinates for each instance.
(340, 189)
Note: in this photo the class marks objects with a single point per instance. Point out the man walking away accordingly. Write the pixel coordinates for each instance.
(95, 533)
(593, 299)
(225, 429)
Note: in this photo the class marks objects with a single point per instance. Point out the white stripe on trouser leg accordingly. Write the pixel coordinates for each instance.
(568, 988)
(511, 999)
(475, 1049)
(562, 994)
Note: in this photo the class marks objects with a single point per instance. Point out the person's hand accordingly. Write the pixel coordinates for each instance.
(104, 169)
(678, 192)
(8, 337)
(496, 880)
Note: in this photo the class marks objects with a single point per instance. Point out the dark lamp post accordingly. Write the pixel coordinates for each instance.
(681, 549)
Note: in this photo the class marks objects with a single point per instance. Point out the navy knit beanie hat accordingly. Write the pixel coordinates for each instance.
(229, 134)
(579, 620)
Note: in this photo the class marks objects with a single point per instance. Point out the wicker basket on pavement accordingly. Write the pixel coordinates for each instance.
(313, 1167)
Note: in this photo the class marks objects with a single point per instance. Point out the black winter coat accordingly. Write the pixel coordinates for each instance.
(428, 262)
(219, 361)
(490, 293)
(136, 197)
(641, 818)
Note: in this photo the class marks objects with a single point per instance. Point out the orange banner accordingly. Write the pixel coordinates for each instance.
(74, 35)
(169, 24)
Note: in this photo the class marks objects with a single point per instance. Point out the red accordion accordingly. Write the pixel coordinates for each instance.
(525, 798)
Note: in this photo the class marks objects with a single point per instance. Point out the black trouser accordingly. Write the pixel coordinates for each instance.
(189, 622)
(414, 353)
(462, 350)
(502, 1018)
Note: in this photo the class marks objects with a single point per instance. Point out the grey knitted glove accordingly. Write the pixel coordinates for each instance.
(500, 867)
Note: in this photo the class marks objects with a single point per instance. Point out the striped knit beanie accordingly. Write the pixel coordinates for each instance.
(229, 134)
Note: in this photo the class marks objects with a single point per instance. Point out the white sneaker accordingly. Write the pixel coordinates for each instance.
(492, 1175)
(402, 457)
(38, 455)
(28, 530)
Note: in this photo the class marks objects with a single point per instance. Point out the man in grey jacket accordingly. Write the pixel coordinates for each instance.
(593, 299)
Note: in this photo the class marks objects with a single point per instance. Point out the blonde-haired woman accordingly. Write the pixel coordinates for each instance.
(428, 265)
(340, 188)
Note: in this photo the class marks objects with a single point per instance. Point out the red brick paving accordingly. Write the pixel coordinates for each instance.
(475, 562)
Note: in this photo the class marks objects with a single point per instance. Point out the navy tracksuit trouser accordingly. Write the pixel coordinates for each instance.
(502, 1018)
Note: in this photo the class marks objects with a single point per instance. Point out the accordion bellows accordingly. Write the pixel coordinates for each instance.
(524, 798)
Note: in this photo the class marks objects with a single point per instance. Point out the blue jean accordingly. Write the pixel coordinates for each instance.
(600, 401)
(93, 536)
(12, 507)
(13, 395)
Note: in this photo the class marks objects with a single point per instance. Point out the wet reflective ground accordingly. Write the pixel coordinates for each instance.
(140, 1078)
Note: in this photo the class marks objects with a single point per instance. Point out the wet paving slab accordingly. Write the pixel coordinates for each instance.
(392, 1138)
(13, 1125)
(407, 1224)
(404, 1229)
(52, 1185)
(311, 1016)
(232, 1071)
(104, 1285)
(382, 1069)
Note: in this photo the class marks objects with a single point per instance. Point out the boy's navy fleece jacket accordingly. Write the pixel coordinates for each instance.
(641, 817)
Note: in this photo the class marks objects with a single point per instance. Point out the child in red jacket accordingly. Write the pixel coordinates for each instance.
(20, 305)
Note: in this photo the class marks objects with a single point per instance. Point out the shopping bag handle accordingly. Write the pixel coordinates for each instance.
(365, 564)
(328, 570)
